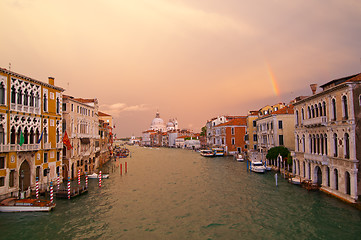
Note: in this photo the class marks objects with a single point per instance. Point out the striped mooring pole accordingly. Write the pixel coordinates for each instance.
(86, 180)
(37, 188)
(121, 169)
(100, 178)
(79, 177)
(68, 187)
(126, 167)
(51, 192)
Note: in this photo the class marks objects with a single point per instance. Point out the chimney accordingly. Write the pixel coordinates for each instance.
(51, 80)
(313, 88)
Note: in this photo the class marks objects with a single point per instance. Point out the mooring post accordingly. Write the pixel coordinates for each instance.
(276, 179)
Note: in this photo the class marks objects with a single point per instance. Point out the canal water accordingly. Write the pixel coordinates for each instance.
(177, 194)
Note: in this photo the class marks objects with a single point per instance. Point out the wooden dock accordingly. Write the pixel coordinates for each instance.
(74, 192)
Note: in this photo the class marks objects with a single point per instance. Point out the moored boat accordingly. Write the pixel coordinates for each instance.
(257, 167)
(26, 205)
(218, 152)
(95, 175)
(239, 157)
(206, 153)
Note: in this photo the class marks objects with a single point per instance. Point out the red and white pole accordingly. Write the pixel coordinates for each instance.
(100, 178)
(86, 181)
(79, 177)
(68, 187)
(37, 188)
(58, 182)
(121, 169)
(51, 192)
(126, 167)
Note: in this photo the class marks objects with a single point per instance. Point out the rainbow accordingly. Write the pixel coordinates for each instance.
(276, 90)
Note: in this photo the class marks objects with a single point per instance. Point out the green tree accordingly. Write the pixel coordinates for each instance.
(204, 131)
(275, 151)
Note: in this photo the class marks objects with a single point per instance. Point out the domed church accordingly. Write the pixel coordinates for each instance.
(158, 124)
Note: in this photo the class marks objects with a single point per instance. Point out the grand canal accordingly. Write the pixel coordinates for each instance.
(177, 194)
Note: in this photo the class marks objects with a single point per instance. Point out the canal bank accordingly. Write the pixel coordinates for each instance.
(177, 194)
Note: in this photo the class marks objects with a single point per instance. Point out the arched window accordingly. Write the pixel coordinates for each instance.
(348, 183)
(314, 144)
(322, 145)
(302, 115)
(347, 145)
(326, 149)
(2, 135)
(2, 93)
(324, 108)
(318, 144)
(335, 174)
(57, 135)
(26, 98)
(304, 169)
(45, 103)
(328, 176)
(297, 143)
(310, 141)
(316, 110)
(309, 112)
(344, 107)
(296, 117)
(31, 136)
(31, 100)
(335, 150)
(333, 105)
(45, 135)
(37, 99)
(13, 95)
(26, 136)
(57, 105)
(303, 144)
(12, 135)
(320, 109)
(19, 96)
(313, 111)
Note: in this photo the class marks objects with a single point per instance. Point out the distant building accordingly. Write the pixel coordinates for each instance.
(251, 133)
(328, 137)
(213, 139)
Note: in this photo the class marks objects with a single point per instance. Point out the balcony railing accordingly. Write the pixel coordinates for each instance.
(323, 159)
(59, 145)
(318, 121)
(24, 147)
(4, 148)
(47, 145)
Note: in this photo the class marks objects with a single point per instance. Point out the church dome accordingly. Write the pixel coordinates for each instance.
(157, 123)
(170, 124)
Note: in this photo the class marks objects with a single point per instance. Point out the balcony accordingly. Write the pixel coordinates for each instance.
(313, 122)
(323, 159)
(4, 148)
(47, 145)
(24, 147)
(59, 145)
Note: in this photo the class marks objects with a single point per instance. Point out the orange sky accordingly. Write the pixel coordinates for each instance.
(191, 59)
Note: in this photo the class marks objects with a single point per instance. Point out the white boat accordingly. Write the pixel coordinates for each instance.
(26, 205)
(296, 180)
(258, 167)
(206, 153)
(95, 175)
(218, 152)
(239, 157)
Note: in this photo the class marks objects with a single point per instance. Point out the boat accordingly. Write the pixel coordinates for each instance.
(295, 180)
(206, 153)
(239, 157)
(95, 175)
(218, 152)
(258, 167)
(26, 205)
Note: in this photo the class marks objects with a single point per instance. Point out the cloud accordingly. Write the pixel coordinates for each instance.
(117, 108)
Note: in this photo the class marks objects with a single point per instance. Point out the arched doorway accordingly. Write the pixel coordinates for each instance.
(335, 174)
(24, 176)
(318, 176)
(348, 183)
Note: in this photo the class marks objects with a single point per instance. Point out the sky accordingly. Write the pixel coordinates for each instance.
(188, 59)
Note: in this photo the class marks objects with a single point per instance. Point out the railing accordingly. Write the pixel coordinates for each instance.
(24, 147)
(318, 121)
(59, 145)
(13, 106)
(323, 159)
(47, 145)
(4, 148)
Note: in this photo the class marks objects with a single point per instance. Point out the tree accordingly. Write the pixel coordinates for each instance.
(275, 151)
(204, 131)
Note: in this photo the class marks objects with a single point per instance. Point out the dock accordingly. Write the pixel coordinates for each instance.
(74, 192)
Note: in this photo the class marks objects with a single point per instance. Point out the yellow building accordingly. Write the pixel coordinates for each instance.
(30, 133)
(251, 134)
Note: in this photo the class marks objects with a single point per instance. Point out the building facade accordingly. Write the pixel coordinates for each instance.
(30, 133)
(328, 138)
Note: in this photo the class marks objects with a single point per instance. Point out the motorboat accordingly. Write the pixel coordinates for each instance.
(95, 175)
(26, 205)
(239, 157)
(206, 153)
(218, 152)
(258, 167)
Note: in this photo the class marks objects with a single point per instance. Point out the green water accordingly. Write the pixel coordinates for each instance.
(177, 194)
